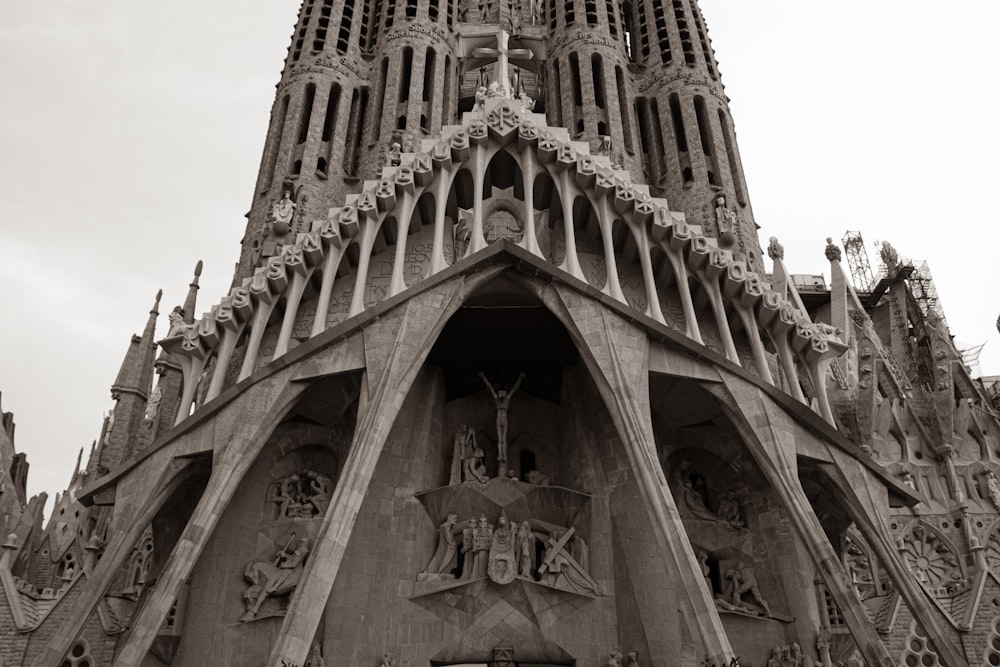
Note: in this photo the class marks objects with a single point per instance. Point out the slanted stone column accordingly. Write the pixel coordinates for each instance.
(769, 435)
(617, 356)
(395, 348)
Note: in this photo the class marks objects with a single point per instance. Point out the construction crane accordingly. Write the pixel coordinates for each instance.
(857, 260)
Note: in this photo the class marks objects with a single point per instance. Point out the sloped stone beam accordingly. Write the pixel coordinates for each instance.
(617, 356)
(769, 435)
(127, 528)
(855, 485)
(408, 336)
(241, 430)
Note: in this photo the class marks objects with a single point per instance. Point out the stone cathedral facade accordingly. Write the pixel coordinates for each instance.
(504, 378)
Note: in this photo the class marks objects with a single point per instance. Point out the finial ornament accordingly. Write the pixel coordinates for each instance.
(889, 256)
(832, 251)
(775, 250)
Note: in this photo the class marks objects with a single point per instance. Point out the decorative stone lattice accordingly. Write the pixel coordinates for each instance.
(991, 654)
(79, 655)
(931, 559)
(918, 651)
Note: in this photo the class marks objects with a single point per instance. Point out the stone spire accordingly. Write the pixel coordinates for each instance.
(130, 391)
(191, 302)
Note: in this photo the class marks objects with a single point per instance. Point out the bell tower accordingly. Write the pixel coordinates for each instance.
(635, 79)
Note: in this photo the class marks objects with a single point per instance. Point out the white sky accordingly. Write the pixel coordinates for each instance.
(131, 133)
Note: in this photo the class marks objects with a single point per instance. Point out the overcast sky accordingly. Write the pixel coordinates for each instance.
(131, 133)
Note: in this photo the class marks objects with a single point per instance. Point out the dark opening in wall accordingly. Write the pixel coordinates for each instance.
(411, 9)
(381, 85)
(682, 28)
(307, 106)
(568, 16)
(574, 67)
(429, 75)
(590, 9)
(432, 10)
(707, 140)
(624, 109)
(274, 143)
(344, 38)
(330, 121)
(612, 25)
(404, 74)
(662, 36)
(734, 165)
(597, 70)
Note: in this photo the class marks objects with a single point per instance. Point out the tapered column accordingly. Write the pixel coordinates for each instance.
(617, 356)
(389, 378)
(260, 409)
(769, 435)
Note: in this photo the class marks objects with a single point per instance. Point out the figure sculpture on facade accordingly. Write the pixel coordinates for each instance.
(632, 659)
(461, 234)
(467, 553)
(445, 557)
(726, 221)
(741, 581)
(502, 399)
(481, 95)
(729, 510)
(176, 319)
(153, 404)
(302, 495)
(775, 250)
(282, 214)
(273, 578)
(560, 570)
(695, 504)
(993, 487)
(475, 468)
(889, 257)
(464, 446)
(537, 477)
(527, 104)
(388, 660)
(514, 8)
(395, 151)
(482, 540)
(503, 557)
(615, 659)
(525, 549)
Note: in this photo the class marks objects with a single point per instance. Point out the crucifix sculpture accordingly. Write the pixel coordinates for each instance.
(503, 54)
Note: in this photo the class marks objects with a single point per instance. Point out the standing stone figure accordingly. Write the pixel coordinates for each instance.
(615, 659)
(176, 318)
(525, 549)
(467, 563)
(444, 558)
(482, 540)
(502, 399)
(461, 451)
(475, 469)
(993, 486)
(503, 557)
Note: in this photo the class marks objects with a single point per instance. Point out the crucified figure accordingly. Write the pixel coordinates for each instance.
(502, 399)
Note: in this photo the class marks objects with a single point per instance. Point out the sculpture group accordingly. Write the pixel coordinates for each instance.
(507, 550)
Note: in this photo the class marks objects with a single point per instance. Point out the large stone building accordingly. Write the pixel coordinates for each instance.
(502, 380)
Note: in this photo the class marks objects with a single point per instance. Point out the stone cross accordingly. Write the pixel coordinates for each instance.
(503, 53)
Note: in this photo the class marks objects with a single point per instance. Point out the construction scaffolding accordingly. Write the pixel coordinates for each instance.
(857, 260)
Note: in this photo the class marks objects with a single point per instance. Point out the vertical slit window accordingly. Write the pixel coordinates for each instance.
(612, 26)
(307, 107)
(432, 10)
(404, 74)
(623, 108)
(590, 9)
(451, 13)
(353, 138)
(557, 80)
(446, 105)
(552, 14)
(390, 14)
(685, 33)
(319, 40)
(680, 137)
(344, 38)
(383, 82)
(707, 140)
(363, 28)
(430, 76)
(706, 44)
(376, 23)
(662, 36)
(734, 165)
(644, 30)
(574, 71)
(597, 69)
(628, 29)
(300, 38)
(568, 8)
(645, 136)
(330, 121)
(411, 9)
(274, 144)
(658, 159)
